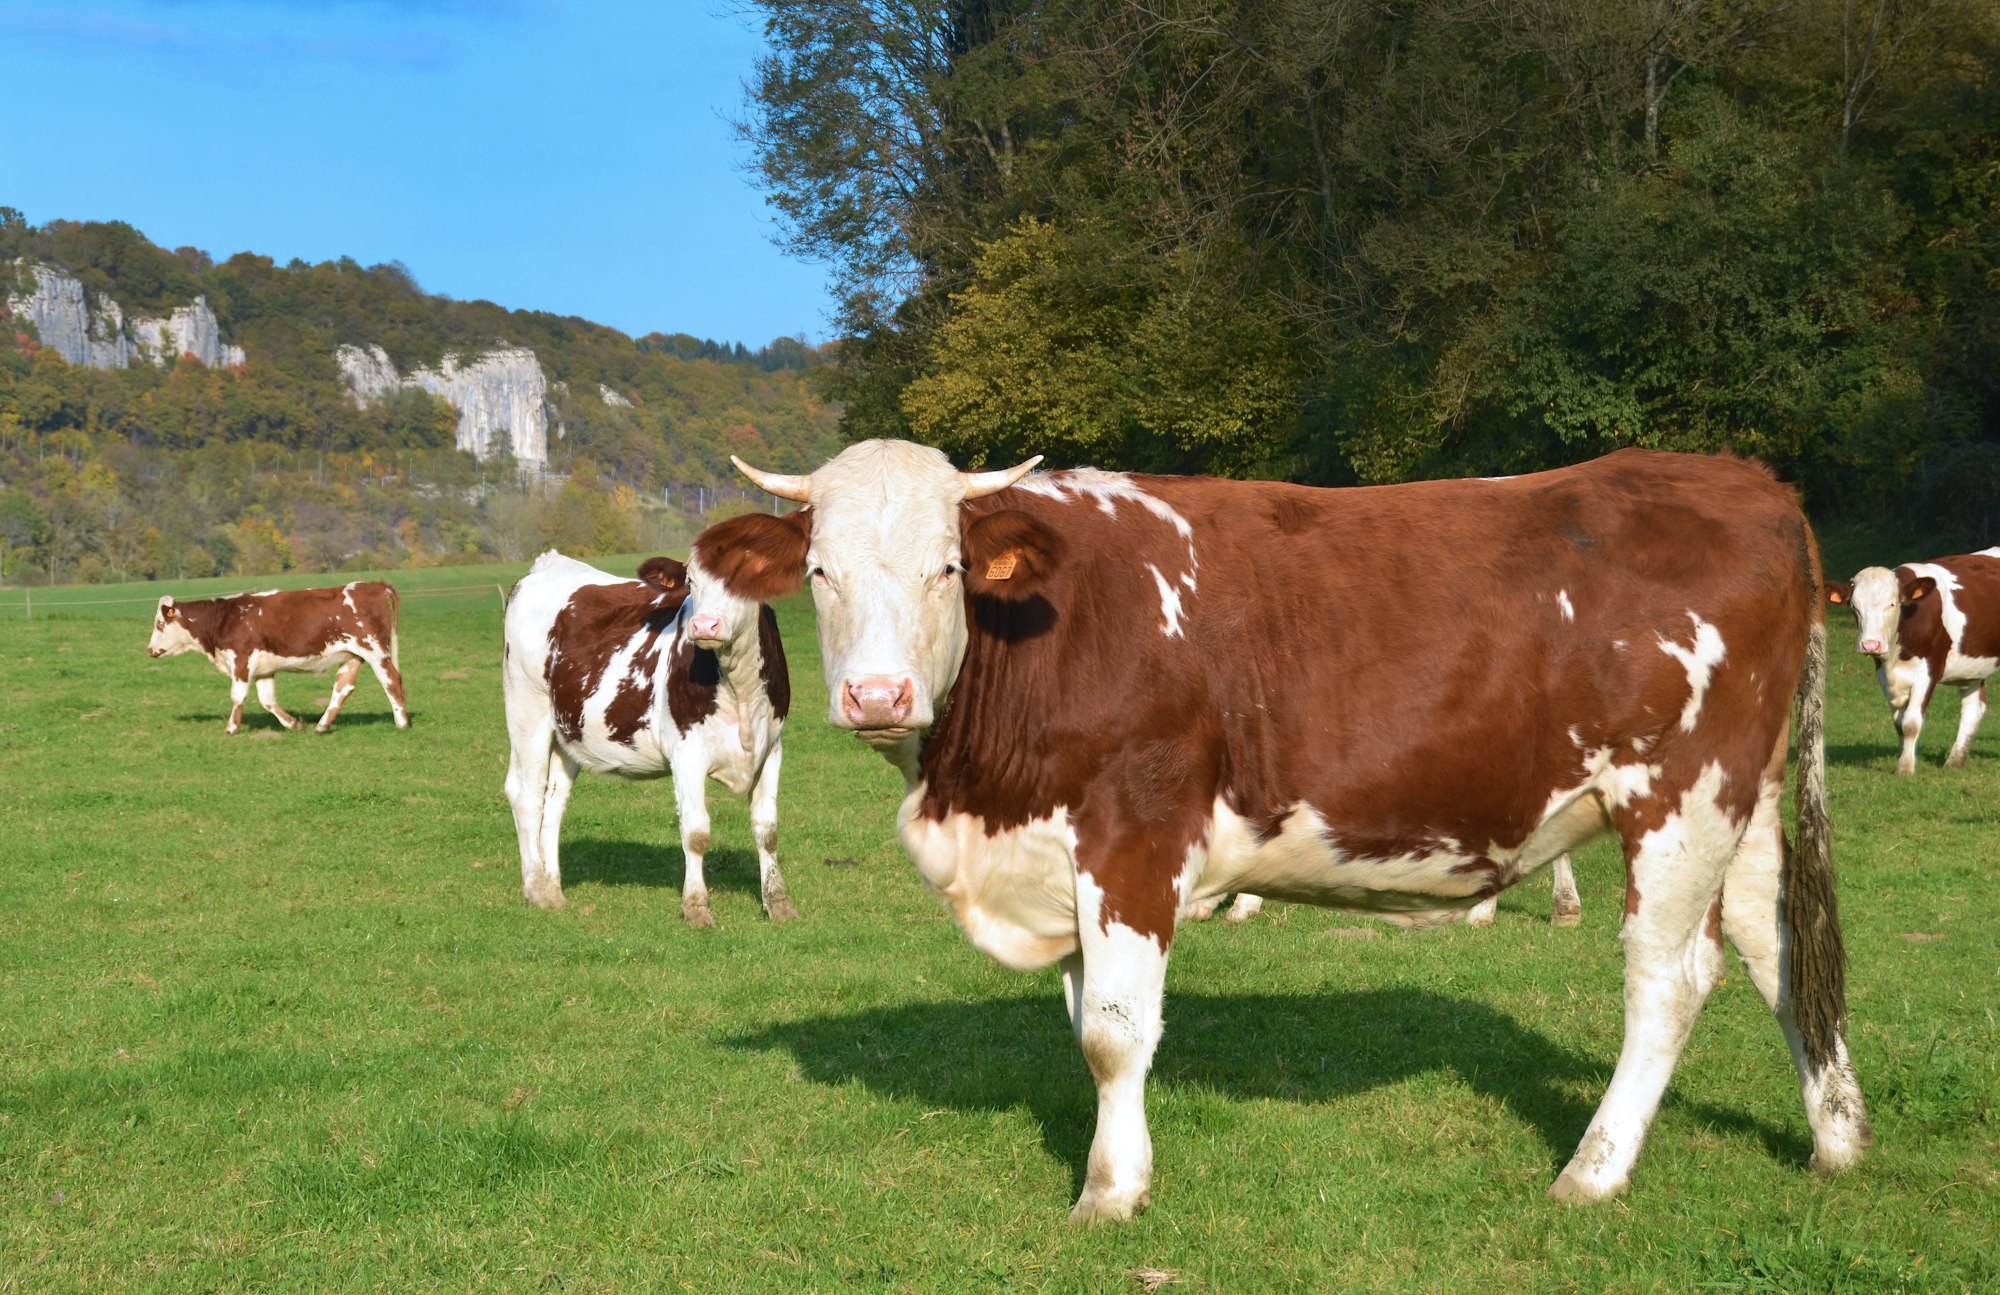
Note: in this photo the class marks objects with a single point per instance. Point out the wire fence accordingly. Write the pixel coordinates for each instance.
(60, 603)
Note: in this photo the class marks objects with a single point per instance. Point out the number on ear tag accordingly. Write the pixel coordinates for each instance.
(1002, 567)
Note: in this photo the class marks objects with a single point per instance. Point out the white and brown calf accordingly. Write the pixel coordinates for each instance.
(252, 637)
(670, 674)
(1929, 623)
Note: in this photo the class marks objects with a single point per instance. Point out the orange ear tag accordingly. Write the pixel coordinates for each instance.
(1002, 567)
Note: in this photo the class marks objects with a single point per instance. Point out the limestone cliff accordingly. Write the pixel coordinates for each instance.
(103, 339)
(501, 395)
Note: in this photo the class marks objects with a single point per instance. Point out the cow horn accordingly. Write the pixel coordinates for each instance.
(783, 485)
(980, 484)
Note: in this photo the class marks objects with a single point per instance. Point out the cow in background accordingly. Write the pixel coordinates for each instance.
(1565, 907)
(1113, 695)
(666, 675)
(1929, 623)
(251, 637)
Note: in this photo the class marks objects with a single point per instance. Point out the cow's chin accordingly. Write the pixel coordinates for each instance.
(708, 645)
(883, 739)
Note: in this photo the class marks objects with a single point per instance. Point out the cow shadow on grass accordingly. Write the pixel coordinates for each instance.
(644, 863)
(261, 720)
(1854, 753)
(1305, 1048)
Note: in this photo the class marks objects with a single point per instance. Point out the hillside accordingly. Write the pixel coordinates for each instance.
(165, 415)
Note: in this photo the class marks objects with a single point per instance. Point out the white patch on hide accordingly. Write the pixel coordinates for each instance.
(1700, 661)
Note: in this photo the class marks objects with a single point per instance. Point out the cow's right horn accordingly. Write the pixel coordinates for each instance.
(980, 484)
(783, 485)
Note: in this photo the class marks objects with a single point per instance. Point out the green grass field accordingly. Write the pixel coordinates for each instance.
(276, 1018)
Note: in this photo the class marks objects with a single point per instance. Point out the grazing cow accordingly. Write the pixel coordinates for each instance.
(1112, 695)
(1928, 623)
(667, 674)
(251, 637)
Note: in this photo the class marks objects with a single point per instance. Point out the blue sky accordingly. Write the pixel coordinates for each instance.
(570, 157)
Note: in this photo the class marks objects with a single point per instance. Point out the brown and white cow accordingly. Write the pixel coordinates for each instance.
(1929, 623)
(669, 674)
(1113, 695)
(251, 637)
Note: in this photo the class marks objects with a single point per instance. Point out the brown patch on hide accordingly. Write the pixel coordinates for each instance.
(772, 666)
(693, 679)
(594, 626)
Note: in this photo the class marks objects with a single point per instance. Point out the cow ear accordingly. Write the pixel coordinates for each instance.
(1919, 589)
(1009, 554)
(756, 556)
(167, 607)
(1840, 593)
(664, 574)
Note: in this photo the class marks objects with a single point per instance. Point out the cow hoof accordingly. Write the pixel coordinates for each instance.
(1906, 770)
(1567, 919)
(321, 728)
(1200, 911)
(782, 911)
(1572, 1189)
(1479, 919)
(1956, 760)
(1109, 1207)
(546, 898)
(696, 913)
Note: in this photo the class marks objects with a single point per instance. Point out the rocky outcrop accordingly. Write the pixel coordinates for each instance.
(501, 395)
(612, 398)
(102, 339)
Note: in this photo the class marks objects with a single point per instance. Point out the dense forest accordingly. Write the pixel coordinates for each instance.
(174, 470)
(1355, 241)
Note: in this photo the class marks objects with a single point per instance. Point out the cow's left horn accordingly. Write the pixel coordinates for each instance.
(980, 484)
(783, 485)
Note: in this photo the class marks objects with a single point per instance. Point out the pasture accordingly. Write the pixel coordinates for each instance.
(276, 1018)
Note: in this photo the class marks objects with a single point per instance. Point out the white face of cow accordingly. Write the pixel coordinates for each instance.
(885, 567)
(717, 619)
(1878, 607)
(169, 635)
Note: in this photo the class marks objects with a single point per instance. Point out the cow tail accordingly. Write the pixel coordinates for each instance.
(395, 624)
(1815, 958)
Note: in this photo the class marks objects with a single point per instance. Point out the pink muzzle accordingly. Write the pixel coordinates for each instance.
(877, 702)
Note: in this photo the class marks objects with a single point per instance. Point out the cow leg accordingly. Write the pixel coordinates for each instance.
(1246, 907)
(1971, 709)
(531, 733)
(343, 685)
(1673, 958)
(391, 680)
(764, 826)
(1115, 1007)
(1753, 918)
(1566, 908)
(690, 766)
(1483, 913)
(1910, 722)
(267, 697)
(562, 780)
(239, 692)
